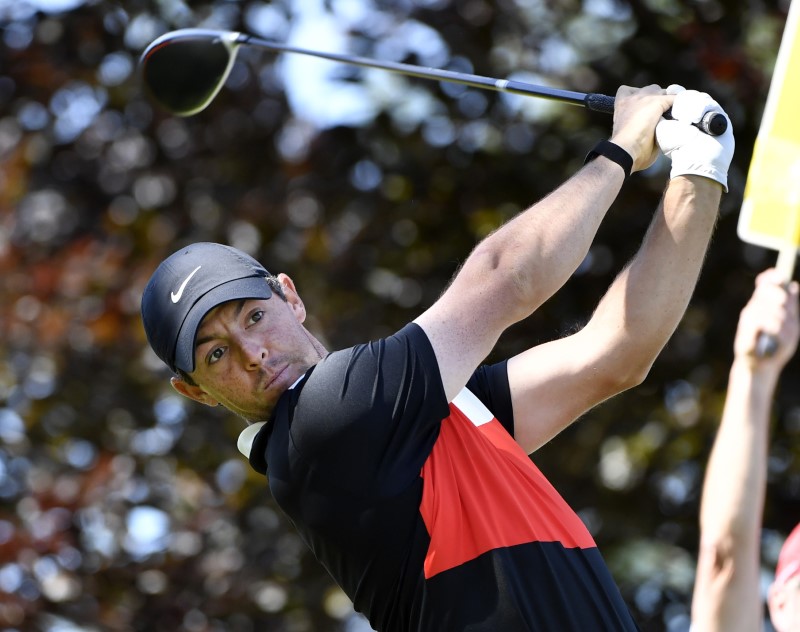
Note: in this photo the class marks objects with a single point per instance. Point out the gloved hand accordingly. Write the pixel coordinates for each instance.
(692, 151)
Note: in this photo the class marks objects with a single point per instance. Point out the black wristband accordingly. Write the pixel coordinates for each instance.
(614, 153)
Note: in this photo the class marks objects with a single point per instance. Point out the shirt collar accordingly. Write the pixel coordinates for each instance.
(247, 436)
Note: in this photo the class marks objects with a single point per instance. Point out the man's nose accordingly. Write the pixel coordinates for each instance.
(255, 353)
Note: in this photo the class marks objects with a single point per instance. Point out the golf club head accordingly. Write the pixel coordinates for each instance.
(184, 70)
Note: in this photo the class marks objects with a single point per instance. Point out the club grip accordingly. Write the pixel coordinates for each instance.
(766, 345)
(599, 103)
(712, 123)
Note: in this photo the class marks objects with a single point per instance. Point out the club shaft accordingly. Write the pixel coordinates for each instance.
(592, 101)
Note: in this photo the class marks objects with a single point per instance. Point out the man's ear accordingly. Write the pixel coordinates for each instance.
(292, 297)
(193, 391)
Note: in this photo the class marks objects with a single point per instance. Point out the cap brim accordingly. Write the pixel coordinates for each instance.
(238, 289)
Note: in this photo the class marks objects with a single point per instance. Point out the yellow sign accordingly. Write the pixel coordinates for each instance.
(769, 215)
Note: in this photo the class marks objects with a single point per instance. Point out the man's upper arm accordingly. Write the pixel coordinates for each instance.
(551, 384)
(462, 326)
(555, 383)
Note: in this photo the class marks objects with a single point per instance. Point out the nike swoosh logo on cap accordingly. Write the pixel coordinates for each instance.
(176, 296)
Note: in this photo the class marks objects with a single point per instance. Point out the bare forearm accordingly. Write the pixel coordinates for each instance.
(732, 505)
(647, 301)
(733, 490)
(514, 270)
(533, 255)
(632, 323)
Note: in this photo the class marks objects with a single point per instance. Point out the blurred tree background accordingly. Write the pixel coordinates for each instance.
(125, 507)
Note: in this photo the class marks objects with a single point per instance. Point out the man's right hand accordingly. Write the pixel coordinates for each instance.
(637, 111)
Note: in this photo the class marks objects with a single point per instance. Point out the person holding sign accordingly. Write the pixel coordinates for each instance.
(726, 592)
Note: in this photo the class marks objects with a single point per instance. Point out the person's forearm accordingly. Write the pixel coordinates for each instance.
(726, 584)
(734, 486)
(532, 256)
(646, 302)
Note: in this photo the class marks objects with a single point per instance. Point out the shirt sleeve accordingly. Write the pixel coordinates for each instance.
(489, 384)
(370, 414)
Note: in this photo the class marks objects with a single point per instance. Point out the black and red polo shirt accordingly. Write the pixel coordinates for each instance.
(427, 513)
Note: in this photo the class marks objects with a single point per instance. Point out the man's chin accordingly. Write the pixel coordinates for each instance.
(256, 416)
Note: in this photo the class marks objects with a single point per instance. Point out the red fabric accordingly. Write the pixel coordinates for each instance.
(470, 508)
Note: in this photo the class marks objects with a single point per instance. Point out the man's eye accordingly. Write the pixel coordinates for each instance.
(215, 355)
(256, 316)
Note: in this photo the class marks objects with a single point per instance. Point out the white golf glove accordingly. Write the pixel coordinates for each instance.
(692, 151)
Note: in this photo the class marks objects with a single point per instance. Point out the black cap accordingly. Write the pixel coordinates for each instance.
(186, 286)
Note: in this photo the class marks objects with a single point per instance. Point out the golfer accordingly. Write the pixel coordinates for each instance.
(403, 462)
(727, 588)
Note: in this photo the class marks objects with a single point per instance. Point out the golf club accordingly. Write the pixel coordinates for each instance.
(184, 70)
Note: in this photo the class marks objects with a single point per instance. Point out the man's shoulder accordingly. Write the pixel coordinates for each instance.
(407, 342)
(387, 381)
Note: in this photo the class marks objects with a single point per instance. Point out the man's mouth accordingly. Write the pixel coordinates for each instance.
(274, 377)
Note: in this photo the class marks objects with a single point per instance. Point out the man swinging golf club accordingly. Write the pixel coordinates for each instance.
(403, 462)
